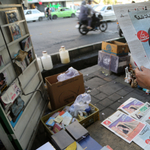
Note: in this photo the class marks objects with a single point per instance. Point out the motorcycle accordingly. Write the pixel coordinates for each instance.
(82, 26)
(119, 30)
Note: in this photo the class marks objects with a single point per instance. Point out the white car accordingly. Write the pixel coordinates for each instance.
(33, 15)
(107, 12)
(77, 13)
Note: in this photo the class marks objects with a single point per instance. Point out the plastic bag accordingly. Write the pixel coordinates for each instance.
(82, 101)
(70, 73)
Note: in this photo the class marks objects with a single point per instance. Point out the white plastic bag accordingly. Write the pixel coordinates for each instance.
(82, 101)
(70, 73)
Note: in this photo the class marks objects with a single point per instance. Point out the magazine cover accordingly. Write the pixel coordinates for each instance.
(11, 16)
(11, 94)
(26, 43)
(131, 105)
(3, 82)
(29, 57)
(1, 62)
(15, 31)
(143, 139)
(143, 113)
(123, 125)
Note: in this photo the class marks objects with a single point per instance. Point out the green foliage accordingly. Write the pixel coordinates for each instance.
(112, 2)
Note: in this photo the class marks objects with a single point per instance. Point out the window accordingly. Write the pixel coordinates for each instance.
(67, 9)
(35, 11)
(28, 12)
(109, 8)
(62, 9)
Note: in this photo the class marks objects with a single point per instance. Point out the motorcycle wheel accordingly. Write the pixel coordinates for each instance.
(121, 33)
(103, 26)
(82, 29)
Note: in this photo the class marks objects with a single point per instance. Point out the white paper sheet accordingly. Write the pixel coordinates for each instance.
(135, 30)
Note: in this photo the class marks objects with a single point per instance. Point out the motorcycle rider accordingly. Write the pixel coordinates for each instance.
(83, 16)
(91, 13)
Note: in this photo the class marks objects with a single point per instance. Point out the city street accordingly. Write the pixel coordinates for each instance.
(50, 35)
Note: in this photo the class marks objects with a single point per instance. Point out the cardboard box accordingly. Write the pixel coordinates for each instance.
(113, 63)
(62, 93)
(115, 48)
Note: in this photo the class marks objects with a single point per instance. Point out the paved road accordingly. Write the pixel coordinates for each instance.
(51, 35)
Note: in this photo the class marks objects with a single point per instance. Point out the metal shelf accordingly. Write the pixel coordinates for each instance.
(18, 40)
(30, 100)
(6, 25)
(5, 67)
(10, 5)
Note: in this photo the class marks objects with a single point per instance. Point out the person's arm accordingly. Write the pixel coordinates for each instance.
(143, 77)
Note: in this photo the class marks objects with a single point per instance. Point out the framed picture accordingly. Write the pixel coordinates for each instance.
(26, 43)
(15, 31)
(11, 16)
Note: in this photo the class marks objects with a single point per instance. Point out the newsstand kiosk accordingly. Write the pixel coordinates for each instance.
(22, 89)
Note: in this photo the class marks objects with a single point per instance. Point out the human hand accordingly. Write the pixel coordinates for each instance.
(143, 77)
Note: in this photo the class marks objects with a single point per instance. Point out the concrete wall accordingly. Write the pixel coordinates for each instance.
(80, 58)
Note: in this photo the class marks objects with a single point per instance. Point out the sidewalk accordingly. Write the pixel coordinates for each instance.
(108, 93)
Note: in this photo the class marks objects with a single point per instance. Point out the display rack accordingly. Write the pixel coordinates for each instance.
(30, 80)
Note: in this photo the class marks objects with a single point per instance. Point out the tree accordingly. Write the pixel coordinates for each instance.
(109, 2)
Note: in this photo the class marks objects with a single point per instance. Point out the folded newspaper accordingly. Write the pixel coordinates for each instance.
(134, 22)
(131, 105)
(123, 125)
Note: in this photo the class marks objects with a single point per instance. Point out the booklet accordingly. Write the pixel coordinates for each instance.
(123, 125)
(131, 105)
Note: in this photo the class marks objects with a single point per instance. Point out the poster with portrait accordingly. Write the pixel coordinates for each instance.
(15, 31)
(131, 105)
(11, 16)
(123, 125)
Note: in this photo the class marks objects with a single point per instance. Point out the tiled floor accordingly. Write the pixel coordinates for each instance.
(107, 92)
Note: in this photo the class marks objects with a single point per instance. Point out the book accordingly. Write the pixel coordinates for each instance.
(67, 120)
(61, 113)
(55, 115)
(29, 57)
(107, 147)
(57, 127)
(15, 31)
(77, 131)
(50, 122)
(61, 140)
(58, 119)
(89, 143)
(78, 147)
(66, 114)
(3, 82)
(25, 43)
(46, 146)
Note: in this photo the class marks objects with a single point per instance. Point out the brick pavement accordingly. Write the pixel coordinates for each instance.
(107, 93)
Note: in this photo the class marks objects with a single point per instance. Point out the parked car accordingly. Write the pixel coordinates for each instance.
(33, 15)
(77, 13)
(107, 12)
(63, 12)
